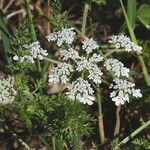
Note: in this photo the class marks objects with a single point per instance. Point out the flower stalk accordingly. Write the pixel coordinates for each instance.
(117, 126)
(84, 19)
(133, 134)
(100, 116)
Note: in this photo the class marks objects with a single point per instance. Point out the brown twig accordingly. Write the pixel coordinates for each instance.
(15, 13)
(8, 5)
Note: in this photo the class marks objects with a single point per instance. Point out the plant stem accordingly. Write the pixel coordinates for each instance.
(133, 134)
(84, 19)
(51, 60)
(54, 143)
(33, 33)
(117, 127)
(131, 32)
(100, 116)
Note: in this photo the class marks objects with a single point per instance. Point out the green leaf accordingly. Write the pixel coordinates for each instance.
(5, 36)
(131, 11)
(143, 14)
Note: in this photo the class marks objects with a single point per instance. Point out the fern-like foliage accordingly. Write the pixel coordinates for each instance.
(21, 37)
(58, 18)
(141, 144)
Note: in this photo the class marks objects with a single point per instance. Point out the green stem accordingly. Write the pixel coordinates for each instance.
(54, 143)
(33, 32)
(133, 134)
(131, 32)
(100, 116)
(84, 19)
(51, 60)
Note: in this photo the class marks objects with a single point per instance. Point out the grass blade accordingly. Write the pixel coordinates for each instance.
(5, 36)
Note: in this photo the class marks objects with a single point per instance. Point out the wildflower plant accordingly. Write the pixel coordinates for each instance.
(86, 62)
(81, 69)
(81, 66)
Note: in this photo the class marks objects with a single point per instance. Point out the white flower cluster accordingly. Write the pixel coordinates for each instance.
(36, 52)
(66, 36)
(122, 41)
(69, 54)
(117, 67)
(61, 73)
(7, 91)
(81, 90)
(87, 65)
(122, 90)
(95, 58)
(94, 72)
(89, 45)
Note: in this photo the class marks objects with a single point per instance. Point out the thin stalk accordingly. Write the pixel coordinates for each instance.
(84, 19)
(100, 116)
(33, 32)
(48, 26)
(133, 134)
(51, 60)
(54, 143)
(131, 32)
(117, 127)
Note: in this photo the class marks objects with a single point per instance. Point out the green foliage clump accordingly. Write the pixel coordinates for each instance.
(141, 144)
(59, 17)
(55, 114)
(64, 119)
(21, 37)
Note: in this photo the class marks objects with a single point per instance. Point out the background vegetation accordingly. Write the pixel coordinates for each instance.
(53, 122)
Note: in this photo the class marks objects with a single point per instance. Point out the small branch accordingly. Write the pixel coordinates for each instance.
(133, 134)
(14, 13)
(8, 5)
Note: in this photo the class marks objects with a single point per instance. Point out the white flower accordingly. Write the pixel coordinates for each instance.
(81, 90)
(136, 93)
(117, 67)
(52, 37)
(122, 90)
(95, 74)
(95, 58)
(82, 64)
(36, 50)
(122, 41)
(69, 54)
(15, 58)
(61, 73)
(64, 36)
(89, 45)
(27, 58)
(7, 91)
